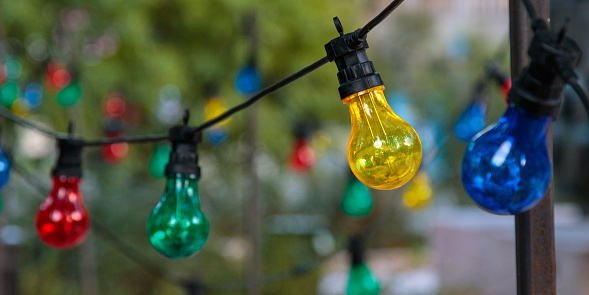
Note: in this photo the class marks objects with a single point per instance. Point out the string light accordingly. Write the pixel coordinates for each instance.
(506, 169)
(472, 120)
(384, 151)
(419, 193)
(4, 168)
(177, 227)
(63, 220)
(158, 161)
(361, 281)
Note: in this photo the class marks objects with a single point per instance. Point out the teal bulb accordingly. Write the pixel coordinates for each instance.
(357, 200)
(159, 160)
(9, 93)
(177, 227)
(362, 282)
(70, 94)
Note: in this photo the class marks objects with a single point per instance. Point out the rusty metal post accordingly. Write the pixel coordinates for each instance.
(534, 230)
(253, 205)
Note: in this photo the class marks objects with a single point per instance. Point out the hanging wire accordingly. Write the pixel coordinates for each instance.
(379, 18)
(264, 92)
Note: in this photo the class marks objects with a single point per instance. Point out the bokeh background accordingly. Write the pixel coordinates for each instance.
(161, 57)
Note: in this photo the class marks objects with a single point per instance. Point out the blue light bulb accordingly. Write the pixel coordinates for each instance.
(216, 136)
(471, 121)
(506, 168)
(247, 80)
(34, 94)
(4, 169)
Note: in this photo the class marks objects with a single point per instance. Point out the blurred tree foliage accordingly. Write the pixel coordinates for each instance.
(192, 44)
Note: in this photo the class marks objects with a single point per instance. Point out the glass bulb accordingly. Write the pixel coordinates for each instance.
(506, 168)
(384, 151)
(33, 94)
(70, 94)
(177, 227)
(247, 80)
(419, 193)
(362, 282)
(471, 121)
(4, 169)
(302, 157)
(9, 93)
(159, 160)
(357, 200)
(63, 220)
(214, 107)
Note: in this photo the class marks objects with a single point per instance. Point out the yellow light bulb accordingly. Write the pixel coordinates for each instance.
(384, 151)
(214, 107)
(419, 194)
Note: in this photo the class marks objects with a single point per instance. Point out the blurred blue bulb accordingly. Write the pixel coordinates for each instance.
(506, 168)
(34, 94)
(471, 121)
(4, 169)
(216, 136)
(247, 80)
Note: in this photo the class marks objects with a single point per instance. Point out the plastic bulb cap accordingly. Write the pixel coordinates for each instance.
(177, 227)
(506, 169)
(470, 122)
(384, 151)
(63, 220)
(362, 282)
(357, 200)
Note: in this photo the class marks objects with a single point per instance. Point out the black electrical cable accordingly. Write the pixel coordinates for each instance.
(379, 18)
(25, 123)
(531, 10)
(581, 93)
(268, 90)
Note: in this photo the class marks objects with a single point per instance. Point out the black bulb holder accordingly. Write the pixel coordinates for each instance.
(69, 161)
(553, 57)
(356, 72)
(184, 156)
(356, 249)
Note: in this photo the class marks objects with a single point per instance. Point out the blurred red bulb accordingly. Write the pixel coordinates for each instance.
(302, 157)
(115, 106)
(57, 76)
(115, 152)
(63, 220)
(505, 87)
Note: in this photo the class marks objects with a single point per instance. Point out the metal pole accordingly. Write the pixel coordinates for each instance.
(253, 205)
(534, 230)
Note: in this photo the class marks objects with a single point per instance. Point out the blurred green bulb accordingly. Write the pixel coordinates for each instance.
(177, 227)
(159, 160)
(362, 282)
(8, 93)
(70, 94)
(357, 200)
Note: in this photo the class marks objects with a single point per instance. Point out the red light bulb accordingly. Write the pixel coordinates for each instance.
(57, 76)
(302, 157)
(63, 220)
(115, 106)
(505, 87)
(115, 152)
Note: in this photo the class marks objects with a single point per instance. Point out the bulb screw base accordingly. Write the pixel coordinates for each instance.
(184, 156)
(69, 161)
(356, 72)
(356, 249)
(539, 88)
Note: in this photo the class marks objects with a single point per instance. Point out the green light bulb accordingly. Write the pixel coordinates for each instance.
(357, 200)
(362, 282)
(159, 160)
(70, 94)
(177, 227)
(8, 93)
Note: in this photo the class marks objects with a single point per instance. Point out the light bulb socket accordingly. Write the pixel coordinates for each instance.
(69, 161)
(356, 249)
(356, 72)
(539, 88)
(184, 155)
